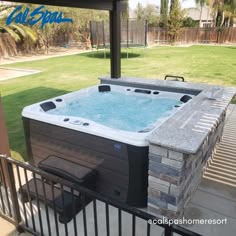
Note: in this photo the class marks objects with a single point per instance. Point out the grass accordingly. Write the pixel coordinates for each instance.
(208, 64)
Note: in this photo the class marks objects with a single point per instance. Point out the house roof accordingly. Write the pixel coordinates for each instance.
(194, 13)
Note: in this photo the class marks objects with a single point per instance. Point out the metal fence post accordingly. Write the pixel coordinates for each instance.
(14, 197)
(168, 230)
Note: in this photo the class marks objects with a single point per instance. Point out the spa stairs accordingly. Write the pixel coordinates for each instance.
(66, 204)
(222, 167)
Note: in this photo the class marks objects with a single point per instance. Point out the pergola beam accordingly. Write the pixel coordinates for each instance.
(88, 4)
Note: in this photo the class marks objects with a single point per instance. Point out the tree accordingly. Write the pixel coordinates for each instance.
(224, 11)
(164, 12)
(229, 10)
(52, 34)
(172, 2)
(20, 34)
(139, 11)
(149, 13)
(209, 4)
(189, 22)
(66, 33)
(202, 3)
(82, 18)
(125, 13)
(175, 22)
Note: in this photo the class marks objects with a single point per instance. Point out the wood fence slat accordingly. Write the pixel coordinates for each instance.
(194, 35)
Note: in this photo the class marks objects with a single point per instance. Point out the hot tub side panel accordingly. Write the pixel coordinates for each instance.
(122, 168)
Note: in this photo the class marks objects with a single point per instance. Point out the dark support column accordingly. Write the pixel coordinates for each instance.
(4, 144)
(115, 38)
(8, 169)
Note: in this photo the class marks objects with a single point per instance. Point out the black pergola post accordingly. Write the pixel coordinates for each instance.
(115, 38)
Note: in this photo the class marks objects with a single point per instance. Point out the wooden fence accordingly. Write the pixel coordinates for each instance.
(193, 35)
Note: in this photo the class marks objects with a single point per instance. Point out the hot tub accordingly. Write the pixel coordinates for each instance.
(105, 128)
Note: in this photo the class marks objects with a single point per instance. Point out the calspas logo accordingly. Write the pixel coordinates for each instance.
(39, 15)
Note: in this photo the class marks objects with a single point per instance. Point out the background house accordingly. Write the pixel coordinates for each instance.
(205, 18)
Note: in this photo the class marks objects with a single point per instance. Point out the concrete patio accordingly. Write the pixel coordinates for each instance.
(213, 200)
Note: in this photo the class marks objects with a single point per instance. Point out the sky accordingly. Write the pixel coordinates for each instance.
(185, 3)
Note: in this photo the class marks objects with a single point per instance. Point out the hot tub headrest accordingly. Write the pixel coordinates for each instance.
(142, 91)
(104, 88)
(185, 98)
(46, 106)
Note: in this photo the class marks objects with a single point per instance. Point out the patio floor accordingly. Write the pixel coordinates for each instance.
(213, 200)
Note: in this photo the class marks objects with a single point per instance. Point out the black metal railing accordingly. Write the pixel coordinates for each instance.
(98, 215)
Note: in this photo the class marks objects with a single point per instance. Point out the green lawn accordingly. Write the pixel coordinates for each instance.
(210, 64)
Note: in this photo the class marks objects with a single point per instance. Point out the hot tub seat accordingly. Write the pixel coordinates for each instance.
(70, 171)
(66, 204)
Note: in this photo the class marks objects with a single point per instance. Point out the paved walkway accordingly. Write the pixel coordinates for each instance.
(10, 73)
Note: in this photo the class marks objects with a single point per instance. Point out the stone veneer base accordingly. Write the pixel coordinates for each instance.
(174, 176)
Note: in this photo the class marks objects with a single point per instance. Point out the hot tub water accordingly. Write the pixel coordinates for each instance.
(118, 110)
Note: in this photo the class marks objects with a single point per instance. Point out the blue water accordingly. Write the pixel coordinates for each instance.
(117, 110)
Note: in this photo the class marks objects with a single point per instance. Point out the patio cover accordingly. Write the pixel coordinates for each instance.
(89, 4)
(115, 7)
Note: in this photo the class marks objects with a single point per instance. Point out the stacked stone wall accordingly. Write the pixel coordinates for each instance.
(174, 176)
